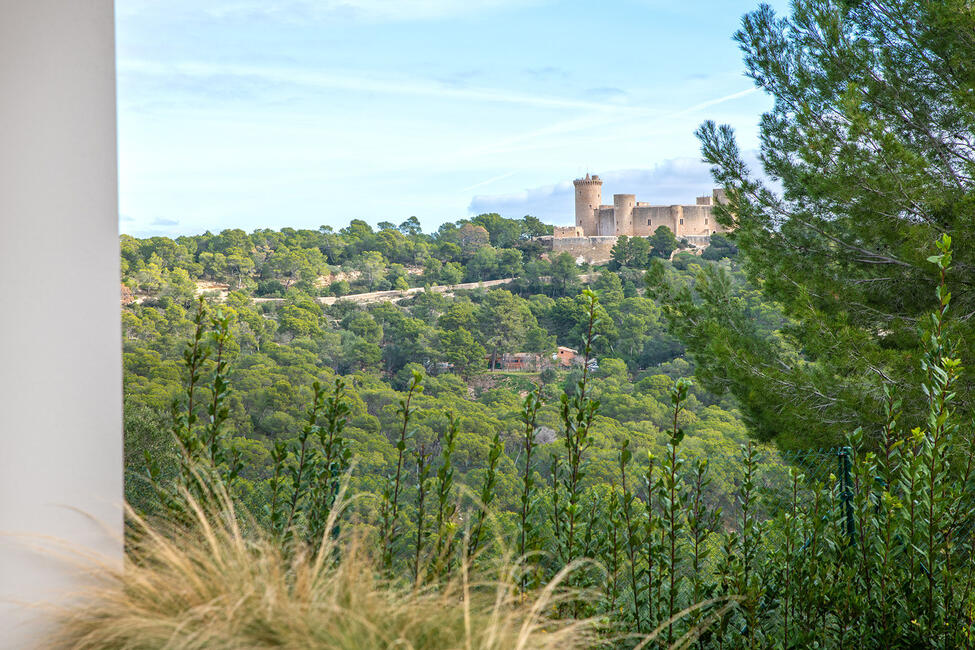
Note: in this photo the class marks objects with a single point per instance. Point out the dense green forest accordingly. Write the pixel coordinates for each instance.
(645, 488)
(278, 348)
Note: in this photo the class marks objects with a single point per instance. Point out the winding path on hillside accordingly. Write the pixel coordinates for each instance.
(399, 294)
(220, 291)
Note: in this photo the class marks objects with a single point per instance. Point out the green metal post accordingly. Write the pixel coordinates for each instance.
(844, 460)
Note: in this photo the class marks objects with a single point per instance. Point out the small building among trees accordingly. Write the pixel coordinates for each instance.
(566, 356)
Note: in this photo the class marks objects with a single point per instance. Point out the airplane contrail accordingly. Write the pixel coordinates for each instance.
(488, 182)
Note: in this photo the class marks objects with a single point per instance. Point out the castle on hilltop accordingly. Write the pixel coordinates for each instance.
(597, 226)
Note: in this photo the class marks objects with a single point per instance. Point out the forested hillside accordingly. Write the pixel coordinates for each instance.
(609, 466)
(282, 341)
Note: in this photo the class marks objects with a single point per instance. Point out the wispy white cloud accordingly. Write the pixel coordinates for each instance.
(233, 79)
(607, 93)
(546, 72)
(552, 203)
(494, 179)
(663, 122)
(643, 119)
(307, 11)
(715, 101)
(247, 74)
(526, 140)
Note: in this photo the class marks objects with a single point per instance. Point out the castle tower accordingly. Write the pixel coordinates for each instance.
(589, 194)
(623, 213)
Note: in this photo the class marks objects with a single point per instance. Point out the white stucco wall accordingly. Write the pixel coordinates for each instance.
(60, 359)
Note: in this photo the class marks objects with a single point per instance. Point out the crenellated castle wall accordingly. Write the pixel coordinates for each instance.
(628, 217)
(594, 250)
(567, 232)
(588, 196)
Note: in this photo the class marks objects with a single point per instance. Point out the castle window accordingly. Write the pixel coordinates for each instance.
(705, 221)
(648, 222)
(682, 222)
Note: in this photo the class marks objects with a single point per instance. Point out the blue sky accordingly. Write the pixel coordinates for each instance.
(302, 113)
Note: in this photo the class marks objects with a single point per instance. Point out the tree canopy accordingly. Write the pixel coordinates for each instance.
(868, 157)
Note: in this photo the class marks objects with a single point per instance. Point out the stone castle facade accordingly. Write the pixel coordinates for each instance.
(597, 226)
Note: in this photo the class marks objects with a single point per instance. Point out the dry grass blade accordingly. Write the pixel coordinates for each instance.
(212, 586)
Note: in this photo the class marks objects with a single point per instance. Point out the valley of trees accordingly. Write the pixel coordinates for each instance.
(278, 348)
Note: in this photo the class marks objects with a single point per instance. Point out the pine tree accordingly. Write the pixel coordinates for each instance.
(871, 144)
